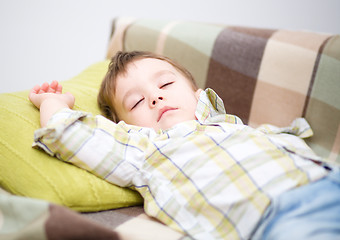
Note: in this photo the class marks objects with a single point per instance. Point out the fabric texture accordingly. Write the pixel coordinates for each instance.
(133, 223)
(263, 75)
(314, 208)
(27, 218)
(196, 176)
(27, 172)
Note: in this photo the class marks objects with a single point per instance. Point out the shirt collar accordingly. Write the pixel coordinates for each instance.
(210, 108)
(209, 105)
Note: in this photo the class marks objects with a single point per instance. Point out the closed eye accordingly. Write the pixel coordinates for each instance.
(134, 106)
(167, 84)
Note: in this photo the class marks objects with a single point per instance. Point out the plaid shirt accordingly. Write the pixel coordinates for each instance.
(210, 179)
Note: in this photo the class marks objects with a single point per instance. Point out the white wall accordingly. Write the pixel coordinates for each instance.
(43, 40)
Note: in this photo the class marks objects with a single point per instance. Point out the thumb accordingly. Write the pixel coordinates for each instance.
(70, 99)
(34, 98)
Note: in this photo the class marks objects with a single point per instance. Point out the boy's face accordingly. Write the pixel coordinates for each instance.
(154, 94)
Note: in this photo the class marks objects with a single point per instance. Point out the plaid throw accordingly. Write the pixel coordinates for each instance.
(209, 179)
(262, 75)
(29, 218)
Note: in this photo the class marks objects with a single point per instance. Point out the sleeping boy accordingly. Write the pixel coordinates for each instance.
(200, 171)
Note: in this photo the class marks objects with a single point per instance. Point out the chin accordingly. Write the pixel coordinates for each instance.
(170, 124)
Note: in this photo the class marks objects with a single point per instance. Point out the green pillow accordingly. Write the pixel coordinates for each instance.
(32, 173)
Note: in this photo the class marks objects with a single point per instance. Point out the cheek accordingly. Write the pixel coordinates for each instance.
(139, 117)
(190, 101)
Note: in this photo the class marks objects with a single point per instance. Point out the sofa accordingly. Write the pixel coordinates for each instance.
(263, 76)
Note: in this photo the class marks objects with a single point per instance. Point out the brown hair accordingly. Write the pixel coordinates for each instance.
(118, 66)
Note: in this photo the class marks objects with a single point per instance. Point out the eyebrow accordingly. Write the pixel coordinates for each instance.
(162, 72)
(154, 77)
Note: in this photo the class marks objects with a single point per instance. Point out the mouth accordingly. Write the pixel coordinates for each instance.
(164, 110)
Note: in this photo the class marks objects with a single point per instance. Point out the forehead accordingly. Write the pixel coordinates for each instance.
(141, 71)
(148, 65)
(142, 68)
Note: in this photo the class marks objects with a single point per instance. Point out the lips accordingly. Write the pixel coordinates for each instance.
(164, 110)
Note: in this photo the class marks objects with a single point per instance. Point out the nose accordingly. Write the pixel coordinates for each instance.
(156, 100)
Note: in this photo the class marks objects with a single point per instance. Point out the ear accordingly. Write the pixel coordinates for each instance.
(198, 92)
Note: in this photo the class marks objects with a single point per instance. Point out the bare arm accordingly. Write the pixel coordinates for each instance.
(95, 137)
(49, 99)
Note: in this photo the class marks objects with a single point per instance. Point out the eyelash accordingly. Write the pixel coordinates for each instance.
(167, 84)
(137, 103)
(164, 85)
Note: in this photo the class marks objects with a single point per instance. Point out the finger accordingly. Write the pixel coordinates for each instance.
(59, 88)
(35, 89)
(70, 99)
(32, 96)
(44, 87)
(53, 86)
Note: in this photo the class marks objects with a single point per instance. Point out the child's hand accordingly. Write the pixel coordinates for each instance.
(46, 91)
(50, 99)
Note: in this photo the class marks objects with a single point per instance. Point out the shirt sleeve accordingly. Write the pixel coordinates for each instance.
(299, 127)
(93, 143)
(285, 138)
